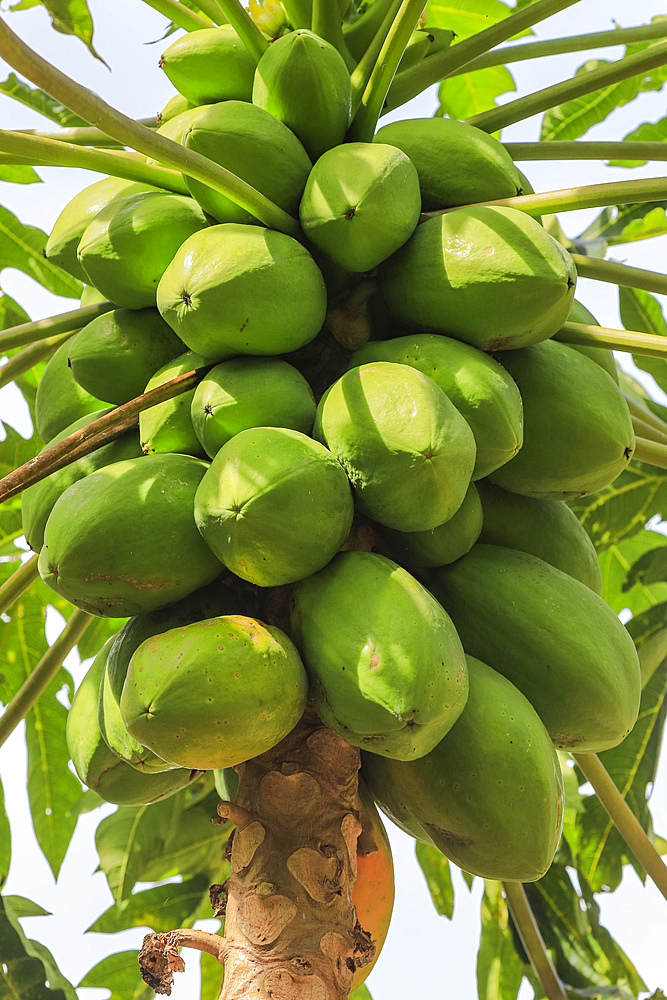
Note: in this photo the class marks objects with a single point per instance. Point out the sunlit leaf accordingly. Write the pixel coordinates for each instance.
(212, 973)
(641, 311)
(21, 247)
(71, 17)
(18, 173)
(361, 993)
(624, 584)
(22, 907)
(435, 867)
(646, 132)
(623, 508)
(5, 840)
(120, 974)
(39, 101)
(470, 93)
(27, 966)
(500, 970)
(160, 909)
(623, 224)
(11, 313)
(574, 118)
(469, 17)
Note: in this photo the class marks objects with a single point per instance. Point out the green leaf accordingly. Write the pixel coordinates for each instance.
(212, 973)
(574, 118)
(438, 878)
(70, 17)
(11, 313)
(469, 18)
(39, 101)
(622, 509)
(361, 993)
(160, 909)
(649, 634)
(120, 974)
(624, 586)
(5, 840)
(651, 567)
(27, 966)
(471, 93)
(97, 633)
(22, 907)
(17, 173)
(646, 132)
(641, 311)
(500, 970)
(622, 224)
(22, 248)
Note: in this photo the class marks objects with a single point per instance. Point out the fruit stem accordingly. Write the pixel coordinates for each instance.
(373, 98)
(93, 109)
(436, 67)
(95, 434)
(30, 356)
(622, 816)
(577, 86)
(116, 162)
(649, 345)
(651, 453)
(47, 668)
(298, 12)
(326, 22)
(532, 940)
(84, 135)
(648, 431)
(621, 274)
(637, 409)
(17, 583)
(362, 71)
(577, 150)
(40, 329)
(244, 26)
(213, 9)
(179, 14)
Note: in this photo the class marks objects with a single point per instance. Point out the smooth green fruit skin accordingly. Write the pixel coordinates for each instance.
(490, 795)
(60, 400)
(457, 163)
(549, 634)
(444, 544)
(38, 500)
(478, 386)
(210, 64)
(114, 355)
(99, 768)
(167, 427)
(490, 276)
(407, 451)
(123, 540)
(126, 248)
(360, 204)
(600, 355)
(274, 506)
(231, 134)
(235, 289)
(176, 105)
(175, 128)
(250, 392)
(214, 693)
(547, 529)
(303, 81)
(578, 434)
(77, 215)
(386, 665)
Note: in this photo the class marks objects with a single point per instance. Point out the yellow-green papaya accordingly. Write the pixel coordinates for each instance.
(559, 642)
(174, 106)
(167, 427)
(60, 400)
(443, 544)
(210, 64)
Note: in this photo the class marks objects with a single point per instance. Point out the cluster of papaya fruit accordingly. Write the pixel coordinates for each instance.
(468, 641)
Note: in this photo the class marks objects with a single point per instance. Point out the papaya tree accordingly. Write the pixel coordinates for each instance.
(324, 499)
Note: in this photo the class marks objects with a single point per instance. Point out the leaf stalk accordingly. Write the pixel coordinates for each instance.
(30, 356)
(244, 26)
(179, 14)
(651, 453)
(532, 940)
(40, 329)
(621, 274)
(576, 149)
(649, 345)
(18, 582)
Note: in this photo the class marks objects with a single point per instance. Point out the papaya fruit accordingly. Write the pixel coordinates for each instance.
(361, 203)
(386, 665)
(115, 354)
(167, 427)
(373, 888)
(443, 544)
(359, 33)
(123, 540)
(234, 289)
(176, 127)
(555, 639)
(100, 769)
(545, 528)
(126, 248)
(457, 164)
(577, 435)
(600, 355)
(250, 392)
(38, 500)
(210, 64)
(297, 64)
(60, 400)
(176, 105)
(274, 506)
(490, 794)
(230, 134)
(478, 386)
(490, 276)
(214, 693)
(90, 296)
(399, 438)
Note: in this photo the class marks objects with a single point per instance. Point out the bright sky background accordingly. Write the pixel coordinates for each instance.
(424, 953)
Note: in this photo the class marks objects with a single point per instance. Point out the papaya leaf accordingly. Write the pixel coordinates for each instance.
(160, 909)
(22, 642)
(500, 969)
(622, 509)
(470, 93)
(651, 567)
(18, 173)
(97, 634)
(11, 313)
(5, 840)
(22, 248)
(27, 966)
(22, 907)
(646, 132)
(15, 449)
(120, 974)
(649, 634)
(574, 118)
(39, 101)
(624, 583)
(641, 311)
(469, 18)
(361, 993)
(435, 867)
(623, 224)
(70, 17)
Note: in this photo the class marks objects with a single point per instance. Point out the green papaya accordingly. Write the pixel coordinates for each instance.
(359, 33)
(210, 64)
(545, 528)
(361, 203)
(176, 127)
(123, 540)
(60, 400)
(38, 500)
(274, 506)
(407, 450)
(77, 215)
(478, 386)
(234, 289)
(457, 164)
(490, 794)
(578, 434)
(250, 392)
(126, 248)
(214, 693)
(230, 134)
(176, 105)
(167, 427)
(386, 666)
(443, 544)
(90, 296)
(114, 355)
(100, 769)
(490, 276)
(552, 637)
(602, 356)
(302, 65)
